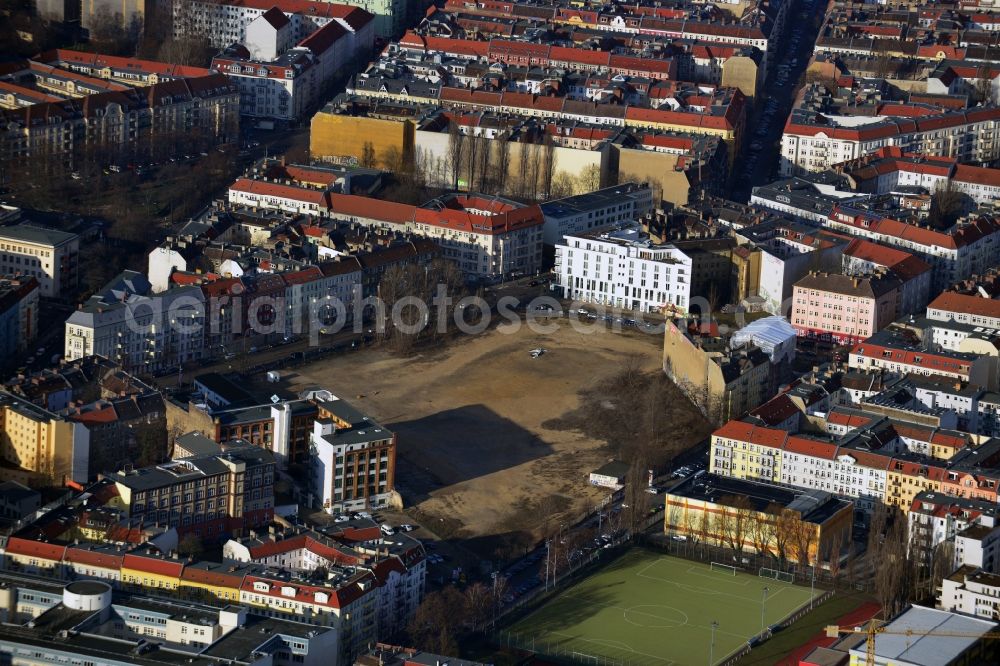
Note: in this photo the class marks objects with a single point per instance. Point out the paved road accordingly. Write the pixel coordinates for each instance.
(758, 163)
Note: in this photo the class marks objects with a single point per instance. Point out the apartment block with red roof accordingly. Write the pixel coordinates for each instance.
(899, 349)
(486, 236)
(969, 247)
(971, 524)
(865, 257)
(396, 561)
(965, 309)
(814, 141)
(889, 170)
(133, 109)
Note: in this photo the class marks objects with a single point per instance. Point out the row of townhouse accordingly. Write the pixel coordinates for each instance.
(889, 169)
(724, 117)
(109, 113)
(486, 237)
(759, 29)
(539, 55)
(345, 599)
(899, 349)
(967, 135)
(850, 465)
(970, 247)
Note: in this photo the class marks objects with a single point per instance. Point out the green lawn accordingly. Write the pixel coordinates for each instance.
(646, 608)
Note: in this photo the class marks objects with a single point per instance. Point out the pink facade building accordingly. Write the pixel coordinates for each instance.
(844, 308)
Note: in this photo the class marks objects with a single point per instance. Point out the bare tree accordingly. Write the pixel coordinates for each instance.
(784, 529)
(762, 533)
(589, 179)
(893, 570)
(947, 205)
(804, 538)
(479, 604)
(835, 546)
(548, 164)
(436, 621)
(635, 497)
(368, 155)
(501, 161)
(455, 150)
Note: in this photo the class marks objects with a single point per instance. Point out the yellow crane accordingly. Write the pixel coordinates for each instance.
(874, 628)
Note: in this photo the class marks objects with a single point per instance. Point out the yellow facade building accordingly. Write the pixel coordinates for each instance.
(42, 443)
(800, 526)
(344, 138)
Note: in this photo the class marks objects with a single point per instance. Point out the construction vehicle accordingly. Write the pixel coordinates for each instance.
(876, 627)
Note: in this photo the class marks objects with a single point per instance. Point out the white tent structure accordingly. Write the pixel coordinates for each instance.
(774, 335)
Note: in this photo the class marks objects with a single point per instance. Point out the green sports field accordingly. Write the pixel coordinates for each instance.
(647, 608)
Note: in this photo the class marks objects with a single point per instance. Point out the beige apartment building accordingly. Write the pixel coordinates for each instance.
(34, 440)
(50, 256)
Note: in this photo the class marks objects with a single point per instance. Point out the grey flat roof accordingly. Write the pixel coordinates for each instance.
(591, 201)
(913, 644)
(27, 233)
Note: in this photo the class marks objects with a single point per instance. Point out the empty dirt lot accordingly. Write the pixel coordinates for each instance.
(474, 457)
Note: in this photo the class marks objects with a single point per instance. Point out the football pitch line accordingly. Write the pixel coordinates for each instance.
(616, 645)
(695, 589)
(677, 625)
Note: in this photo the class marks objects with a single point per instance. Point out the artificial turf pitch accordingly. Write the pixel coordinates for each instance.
(647, 608)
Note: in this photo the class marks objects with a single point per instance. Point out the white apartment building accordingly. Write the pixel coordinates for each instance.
(583, 213)
(934, 518)
(225, 22)
(966, 135)
(969, 248)
(965, 309)
(620, 267)
(283, 80)
(143, 332)
(971, 591)
(50, 256)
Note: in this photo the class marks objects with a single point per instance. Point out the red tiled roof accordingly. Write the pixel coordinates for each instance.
(811, 447)
(850, 421)
(152, 565)
(904, 264)
(951, 301)
(80, 555)
(978, 175)
(338, 597)
(306, 275)
(353, 16)
(277, 190)
(39, 549)
(776, 410)
(100, 60)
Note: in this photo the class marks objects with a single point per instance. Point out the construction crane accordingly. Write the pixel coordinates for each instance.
(874, 628)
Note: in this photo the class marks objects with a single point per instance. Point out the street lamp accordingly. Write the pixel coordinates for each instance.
(762, 602)
(812, 586)
(711, 645)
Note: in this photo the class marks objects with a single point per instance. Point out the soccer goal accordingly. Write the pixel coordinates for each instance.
(776, 575)
(724, 568)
